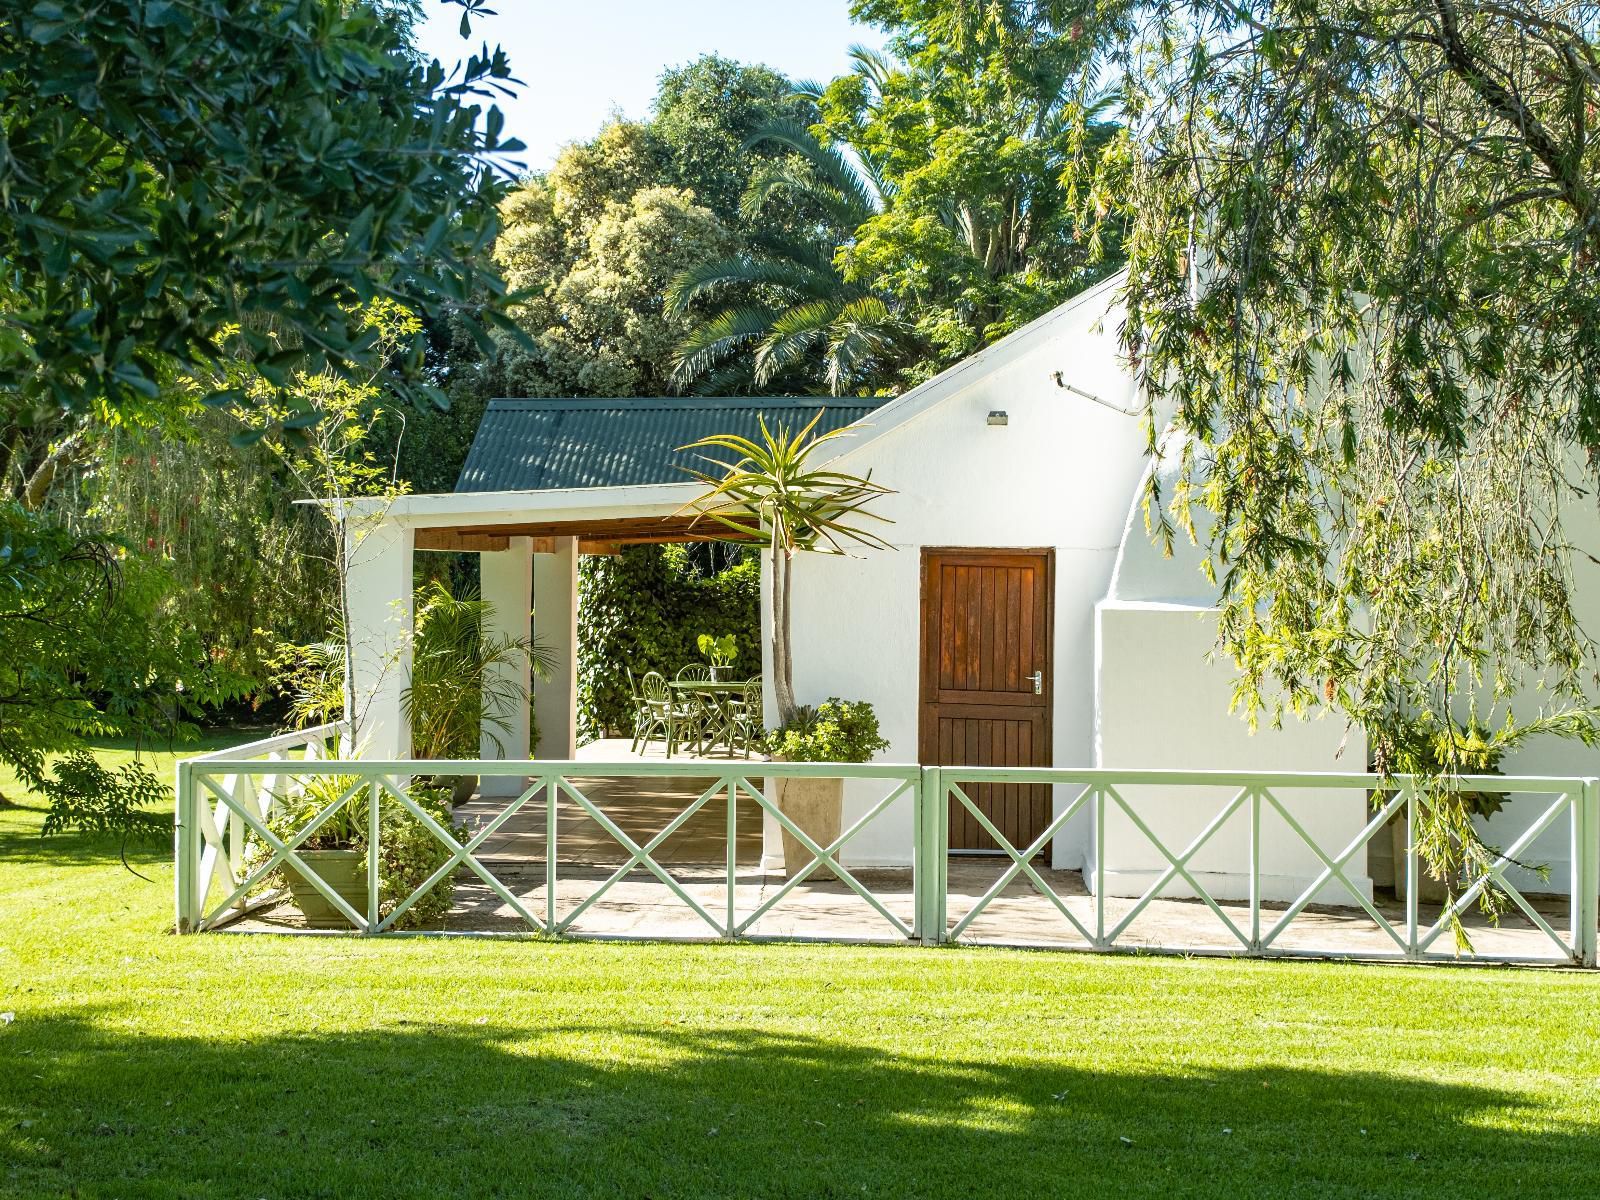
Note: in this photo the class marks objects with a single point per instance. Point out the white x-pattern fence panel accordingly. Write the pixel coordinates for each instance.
(218, 793)
(225, 804)
(1254, 795)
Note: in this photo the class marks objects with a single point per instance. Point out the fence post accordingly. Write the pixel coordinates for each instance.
(550, 857)
(1099, 868)
(373, 827)
(186, 853)
(939, 819)
(732, 852)
(1413, 877)
(1255, 871)
(1586, 875)
(925, 873)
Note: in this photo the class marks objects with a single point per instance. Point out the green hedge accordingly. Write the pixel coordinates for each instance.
(643, 609)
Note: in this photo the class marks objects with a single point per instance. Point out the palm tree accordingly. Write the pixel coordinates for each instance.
(802, 314)
(772, 487)
(457, 688)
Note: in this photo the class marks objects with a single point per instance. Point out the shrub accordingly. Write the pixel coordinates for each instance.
(835, 731)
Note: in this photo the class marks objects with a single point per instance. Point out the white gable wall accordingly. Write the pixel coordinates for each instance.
(1058, 475)
(1155, 631)
(1162, 701)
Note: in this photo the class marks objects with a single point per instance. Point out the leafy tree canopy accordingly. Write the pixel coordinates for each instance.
(705, 117)
(169, 167)
(976, 125)
(1363, 248)
(590, 245)
(598, 322)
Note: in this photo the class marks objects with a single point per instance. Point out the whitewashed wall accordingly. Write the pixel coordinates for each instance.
(1163, 702)
(1059, 474)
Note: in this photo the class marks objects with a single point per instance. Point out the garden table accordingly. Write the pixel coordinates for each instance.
(714, 694)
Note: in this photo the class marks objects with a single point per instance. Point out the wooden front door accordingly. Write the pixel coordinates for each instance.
(987, 632)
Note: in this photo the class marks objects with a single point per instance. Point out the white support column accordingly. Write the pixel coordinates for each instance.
(771, 831)
(555, 623)
(507, 586)
(378, 552)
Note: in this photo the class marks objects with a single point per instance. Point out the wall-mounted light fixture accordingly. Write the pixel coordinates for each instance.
(997, 416)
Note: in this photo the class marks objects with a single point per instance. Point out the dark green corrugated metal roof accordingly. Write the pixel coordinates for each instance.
(533, 444)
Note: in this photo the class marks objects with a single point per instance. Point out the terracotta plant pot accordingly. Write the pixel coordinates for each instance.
(345, 871)
(816, 806)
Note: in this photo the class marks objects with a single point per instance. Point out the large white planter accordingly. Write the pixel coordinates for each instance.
(816, 806)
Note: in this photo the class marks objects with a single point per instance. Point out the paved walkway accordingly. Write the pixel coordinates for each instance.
(640, 905)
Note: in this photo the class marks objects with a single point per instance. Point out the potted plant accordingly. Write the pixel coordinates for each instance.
(719, 652)
(843, 731)
(1423, 746)
(337, 852)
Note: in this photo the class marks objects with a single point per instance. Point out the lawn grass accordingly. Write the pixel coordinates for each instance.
(140, 1065)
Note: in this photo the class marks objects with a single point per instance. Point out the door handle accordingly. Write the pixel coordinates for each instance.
(1037, 679)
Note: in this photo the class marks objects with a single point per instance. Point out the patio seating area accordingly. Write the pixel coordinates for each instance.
(695, 712)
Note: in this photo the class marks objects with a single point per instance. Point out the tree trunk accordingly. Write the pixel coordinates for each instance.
(341, 563)
(40, 482)
(782, 662)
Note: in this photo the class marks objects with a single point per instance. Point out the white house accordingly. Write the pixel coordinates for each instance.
(1022, 618)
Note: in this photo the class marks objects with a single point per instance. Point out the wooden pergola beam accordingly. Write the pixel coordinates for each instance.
(621, 530)
(594, 536)
(460, 542)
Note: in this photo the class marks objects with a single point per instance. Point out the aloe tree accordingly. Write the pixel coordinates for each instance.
(772, 488)
(795, 309)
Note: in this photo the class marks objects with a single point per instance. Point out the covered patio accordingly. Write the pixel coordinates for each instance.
(528, 543)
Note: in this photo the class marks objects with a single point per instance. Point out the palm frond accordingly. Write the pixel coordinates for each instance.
(802, 278)
(872, 65)
(778, 354)
(833, 169)
(707, 345)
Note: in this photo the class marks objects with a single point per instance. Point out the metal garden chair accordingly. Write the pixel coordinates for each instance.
(701, 709)
(745, 716)
(662, 712)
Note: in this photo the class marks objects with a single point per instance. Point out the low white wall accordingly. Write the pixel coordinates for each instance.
(1162, 704)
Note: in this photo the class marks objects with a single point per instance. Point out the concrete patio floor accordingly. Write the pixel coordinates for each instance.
(640, 906)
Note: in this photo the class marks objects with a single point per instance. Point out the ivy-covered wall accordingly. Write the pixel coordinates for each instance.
(643, 609)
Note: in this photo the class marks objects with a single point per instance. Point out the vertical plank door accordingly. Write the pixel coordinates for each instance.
(987, 632)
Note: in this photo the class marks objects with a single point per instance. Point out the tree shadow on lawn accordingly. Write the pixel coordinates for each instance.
(98, 1109)
(21, 844)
